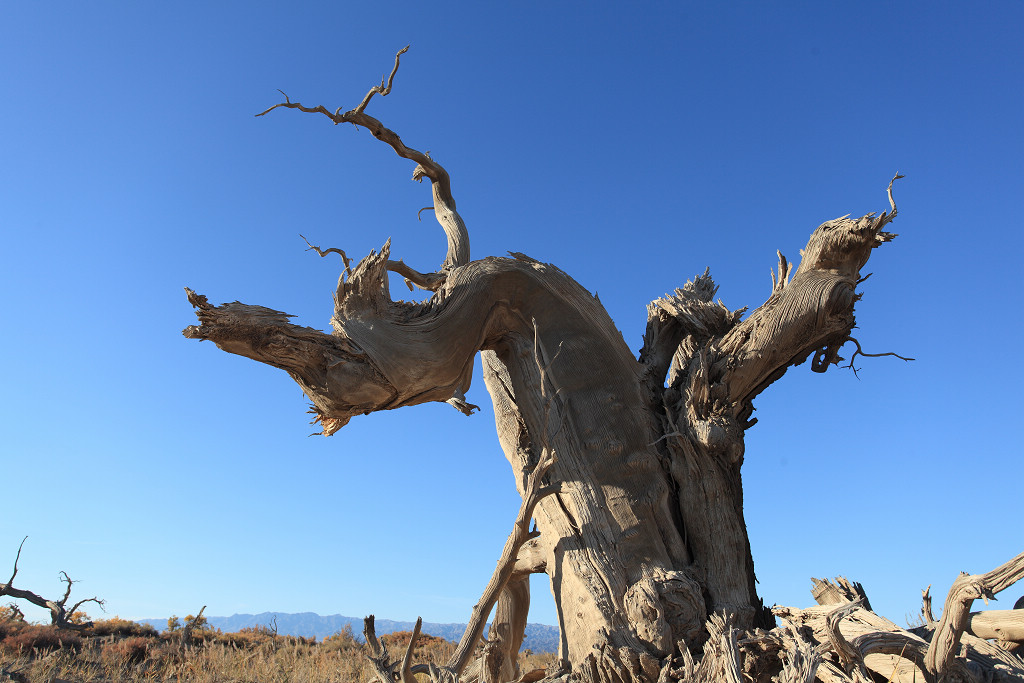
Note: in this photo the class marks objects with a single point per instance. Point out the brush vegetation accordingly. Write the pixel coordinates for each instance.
(120, 650)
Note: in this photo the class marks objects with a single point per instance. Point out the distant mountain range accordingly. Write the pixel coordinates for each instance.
(539, 637)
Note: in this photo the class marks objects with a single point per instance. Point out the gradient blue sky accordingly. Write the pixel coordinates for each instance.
(632, 145)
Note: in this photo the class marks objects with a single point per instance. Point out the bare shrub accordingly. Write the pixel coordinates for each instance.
(128, 652)
(43, 639)
(121, 627)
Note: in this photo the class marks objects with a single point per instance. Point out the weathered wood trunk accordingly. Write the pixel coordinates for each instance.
(645, 537)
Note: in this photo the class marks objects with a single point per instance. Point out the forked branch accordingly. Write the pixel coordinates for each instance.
(429, 281)
(444, 203)
(388, 670)
(860, 352)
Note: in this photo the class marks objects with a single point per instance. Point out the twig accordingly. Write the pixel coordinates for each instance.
(428, 281)
(860, 352)
(332, 250)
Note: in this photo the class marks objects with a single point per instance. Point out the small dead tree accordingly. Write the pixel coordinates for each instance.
(189, 628)
(630, 465)
(60, 614)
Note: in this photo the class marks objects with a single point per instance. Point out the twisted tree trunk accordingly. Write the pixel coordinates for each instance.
(644, 538)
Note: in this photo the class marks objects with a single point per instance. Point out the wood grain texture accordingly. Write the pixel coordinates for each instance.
(641, 527)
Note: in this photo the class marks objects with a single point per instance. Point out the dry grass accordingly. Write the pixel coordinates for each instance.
(249, 656)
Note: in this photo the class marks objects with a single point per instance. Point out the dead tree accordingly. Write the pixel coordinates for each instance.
(641, 530)
(60, 613)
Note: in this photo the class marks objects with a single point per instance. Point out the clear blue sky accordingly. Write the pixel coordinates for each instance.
(631, 145)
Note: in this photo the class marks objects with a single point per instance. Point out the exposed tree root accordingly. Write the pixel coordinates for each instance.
(839, 641)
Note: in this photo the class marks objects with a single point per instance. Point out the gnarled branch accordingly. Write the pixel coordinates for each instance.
(444, 203)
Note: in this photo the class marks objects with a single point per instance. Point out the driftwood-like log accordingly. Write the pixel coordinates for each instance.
(894, 653)
(1006, 625)
(60, 613)
(956, 612)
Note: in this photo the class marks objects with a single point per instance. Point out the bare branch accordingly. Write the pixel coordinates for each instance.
(444, 203)
(385, 88)
(16, 558)
(101, 603)
(860, 352)
(892, 203)
(295, 105)
(325, 252)
(429, 281)
(67, 593)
